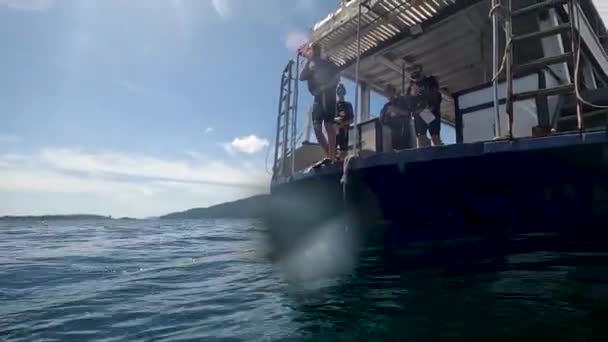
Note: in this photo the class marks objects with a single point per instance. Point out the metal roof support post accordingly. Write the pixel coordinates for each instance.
(574, 22)
(508, 69)
(496, 57)
(357, 67)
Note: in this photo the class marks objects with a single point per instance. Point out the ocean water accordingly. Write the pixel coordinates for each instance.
(211, 280)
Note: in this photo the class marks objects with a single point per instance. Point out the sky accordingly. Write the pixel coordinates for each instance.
(142, 107)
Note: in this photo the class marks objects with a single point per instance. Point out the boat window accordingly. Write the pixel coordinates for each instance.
(376, 103)
(448, 134)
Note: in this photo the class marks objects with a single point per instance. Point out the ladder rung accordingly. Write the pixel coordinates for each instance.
(540, 63)
(286, 111)
(537, 6)
(568, 88)
(585, 115)
(544, 33)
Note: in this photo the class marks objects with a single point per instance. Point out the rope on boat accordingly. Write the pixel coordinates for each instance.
(344, 182)
(345, 168)
(494, 11)
(344, 179)
(577, 88)
(347, 160)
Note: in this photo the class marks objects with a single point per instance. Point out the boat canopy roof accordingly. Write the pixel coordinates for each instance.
(449, 39)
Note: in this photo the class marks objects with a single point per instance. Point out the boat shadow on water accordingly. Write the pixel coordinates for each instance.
(465, 257)
(531, 285)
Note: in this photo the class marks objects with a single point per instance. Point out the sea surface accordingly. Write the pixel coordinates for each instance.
(212, 280)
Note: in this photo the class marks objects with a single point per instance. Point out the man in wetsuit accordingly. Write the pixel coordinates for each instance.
(344, 118)
(323, 77)
(424, 100)
(395, 115)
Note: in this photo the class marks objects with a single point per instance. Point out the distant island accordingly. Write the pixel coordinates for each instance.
(58, 217)
(252, 207)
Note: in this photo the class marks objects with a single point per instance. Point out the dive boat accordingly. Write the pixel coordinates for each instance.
(525, 88)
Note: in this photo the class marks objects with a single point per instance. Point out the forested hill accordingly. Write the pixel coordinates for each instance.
(252, 207)
(57, 217)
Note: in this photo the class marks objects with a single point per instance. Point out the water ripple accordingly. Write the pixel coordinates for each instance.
(208, 280)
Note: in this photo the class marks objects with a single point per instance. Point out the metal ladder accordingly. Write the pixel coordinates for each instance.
(513, 70)
(286, 122)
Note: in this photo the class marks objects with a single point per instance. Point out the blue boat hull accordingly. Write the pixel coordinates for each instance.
(556, 185)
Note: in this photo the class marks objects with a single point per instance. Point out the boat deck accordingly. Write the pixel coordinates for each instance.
(456, 151)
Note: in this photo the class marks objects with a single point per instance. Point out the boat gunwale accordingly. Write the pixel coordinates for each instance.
(455, 151)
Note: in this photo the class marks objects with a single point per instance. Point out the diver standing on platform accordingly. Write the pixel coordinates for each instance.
(428, 116)
(395, 114)
(323, 77)
(344, 118)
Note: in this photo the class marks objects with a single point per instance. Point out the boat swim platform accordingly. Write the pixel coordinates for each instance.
(456, 151)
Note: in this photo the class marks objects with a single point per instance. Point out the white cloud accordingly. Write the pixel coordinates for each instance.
(64, 180)
(222, 7)
(294, 40)
(209, 130)
(249, 144)
(32, 180)
(113, 163)
(28, 5)
(9, 139)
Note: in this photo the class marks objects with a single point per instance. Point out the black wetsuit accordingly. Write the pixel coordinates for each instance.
(346, 114)
(399, 124)
(431, 97)
(323, 79)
